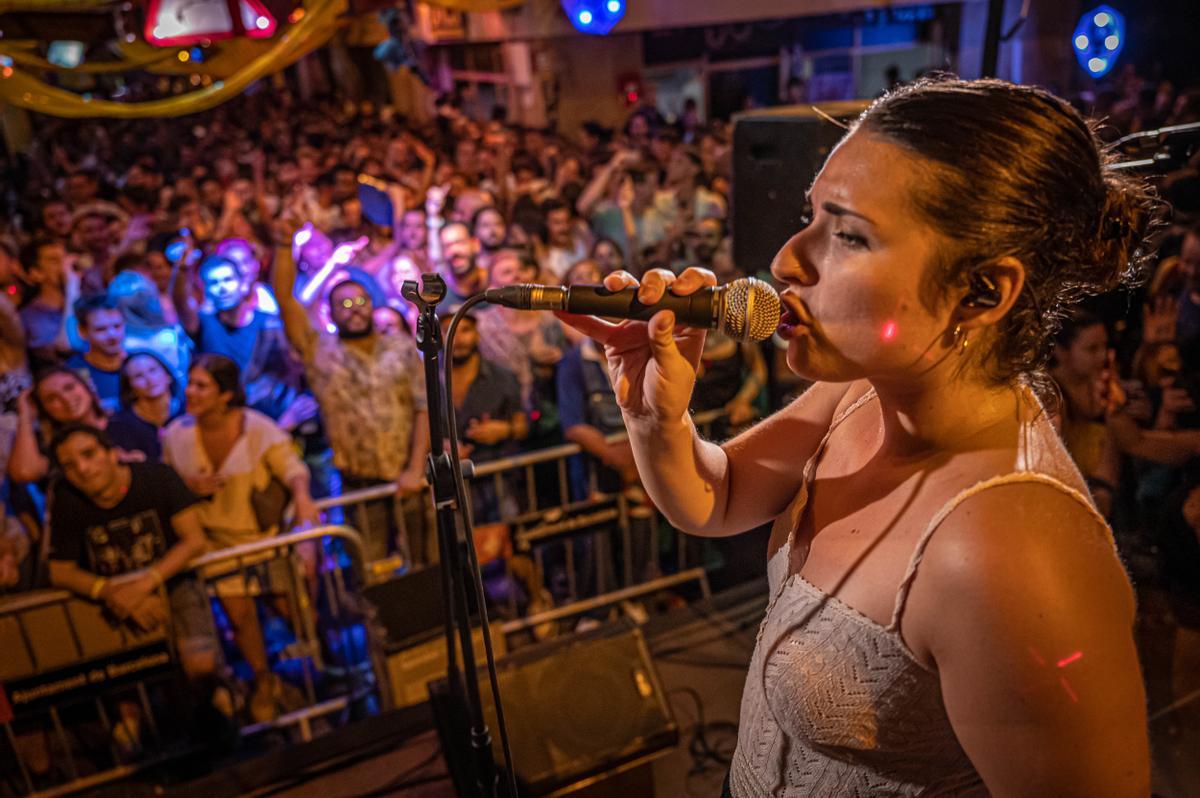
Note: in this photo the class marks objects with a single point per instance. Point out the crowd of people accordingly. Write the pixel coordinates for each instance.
(202, 321)
(203, 324)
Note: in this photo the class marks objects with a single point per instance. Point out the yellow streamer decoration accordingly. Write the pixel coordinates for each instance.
(474, 6)
(142, 58)
(314, 30)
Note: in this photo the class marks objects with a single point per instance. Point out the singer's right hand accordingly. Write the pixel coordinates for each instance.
(652, 364)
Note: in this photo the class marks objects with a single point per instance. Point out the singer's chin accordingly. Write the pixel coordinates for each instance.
(804, 359)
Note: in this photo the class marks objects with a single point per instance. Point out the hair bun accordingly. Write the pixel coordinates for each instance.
(1128, 221)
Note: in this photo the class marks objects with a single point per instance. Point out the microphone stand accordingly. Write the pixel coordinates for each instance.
(462, 684)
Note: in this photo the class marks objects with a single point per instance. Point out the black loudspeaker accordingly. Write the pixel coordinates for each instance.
(585, 716)
(776, 155)
(409, 607)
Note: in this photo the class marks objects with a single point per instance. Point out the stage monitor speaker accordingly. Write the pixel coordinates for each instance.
(776, 155)
(585, 715)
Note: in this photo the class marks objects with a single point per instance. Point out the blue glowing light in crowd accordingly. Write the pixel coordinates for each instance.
(1098, 40)
(596, 17)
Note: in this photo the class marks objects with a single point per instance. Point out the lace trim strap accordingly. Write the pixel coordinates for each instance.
(809, 467)
(950, 506)
(867, 396)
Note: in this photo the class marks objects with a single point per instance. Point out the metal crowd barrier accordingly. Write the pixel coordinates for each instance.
(63, 663)
(254, 568)
(546, 525)
(58, 654)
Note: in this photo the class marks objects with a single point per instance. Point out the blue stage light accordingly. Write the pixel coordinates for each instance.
(1098, 39)
(596, 17)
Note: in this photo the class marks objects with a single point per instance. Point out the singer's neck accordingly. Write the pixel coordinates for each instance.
(946, 416)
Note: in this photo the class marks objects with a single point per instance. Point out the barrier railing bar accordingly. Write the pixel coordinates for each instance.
(569, 524)
(256, 546)
(108, 731)
(23, 602)
(64, 742)
(523, 459)
(564, 495)
(302, 627)
(95, 779)
(12, 741)
(75, 632)
(298, 716)
(616, 597)
(20, 617)
(531, 488)
(403, 545)
(340, 581)
(149, 715)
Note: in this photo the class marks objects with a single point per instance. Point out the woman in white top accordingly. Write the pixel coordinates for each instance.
(228, 453)
(950, 230)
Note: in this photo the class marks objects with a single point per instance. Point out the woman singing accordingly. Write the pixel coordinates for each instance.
(947, 614)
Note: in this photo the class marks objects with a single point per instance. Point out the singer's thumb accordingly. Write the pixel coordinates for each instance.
(662, 334)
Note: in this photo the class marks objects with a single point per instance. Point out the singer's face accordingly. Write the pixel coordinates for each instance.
(853, 277)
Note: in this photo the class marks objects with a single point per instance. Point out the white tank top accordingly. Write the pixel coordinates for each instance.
(836, 704)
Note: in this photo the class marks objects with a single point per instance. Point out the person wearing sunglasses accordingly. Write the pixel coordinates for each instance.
(371, 390)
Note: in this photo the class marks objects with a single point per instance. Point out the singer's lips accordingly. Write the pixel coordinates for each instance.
(794, 313)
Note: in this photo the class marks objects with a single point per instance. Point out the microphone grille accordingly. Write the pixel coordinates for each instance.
(751, 310)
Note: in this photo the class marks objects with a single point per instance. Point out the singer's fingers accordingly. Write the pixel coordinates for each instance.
(661, 333)
(692, 279)
(619, 279)
(654, 284)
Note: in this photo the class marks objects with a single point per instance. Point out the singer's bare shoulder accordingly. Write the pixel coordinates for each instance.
(763, 467)
(1023, 608)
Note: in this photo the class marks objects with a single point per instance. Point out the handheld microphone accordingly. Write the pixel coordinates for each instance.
(746, 309)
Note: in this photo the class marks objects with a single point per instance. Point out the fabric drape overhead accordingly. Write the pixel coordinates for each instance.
(314, 30)
(233, 65)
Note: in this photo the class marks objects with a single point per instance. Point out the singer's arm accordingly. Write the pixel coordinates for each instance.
(715, 491)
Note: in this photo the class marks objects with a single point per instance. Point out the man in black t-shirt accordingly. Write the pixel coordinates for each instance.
(121, 531)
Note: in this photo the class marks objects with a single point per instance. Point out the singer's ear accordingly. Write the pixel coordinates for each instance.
(991, 291)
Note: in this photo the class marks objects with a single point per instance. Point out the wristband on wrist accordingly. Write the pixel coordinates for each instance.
(97, 588)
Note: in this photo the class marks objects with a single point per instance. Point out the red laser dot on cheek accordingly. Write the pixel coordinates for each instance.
(889, 331)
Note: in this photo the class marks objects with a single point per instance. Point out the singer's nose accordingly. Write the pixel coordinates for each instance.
(790, 265)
